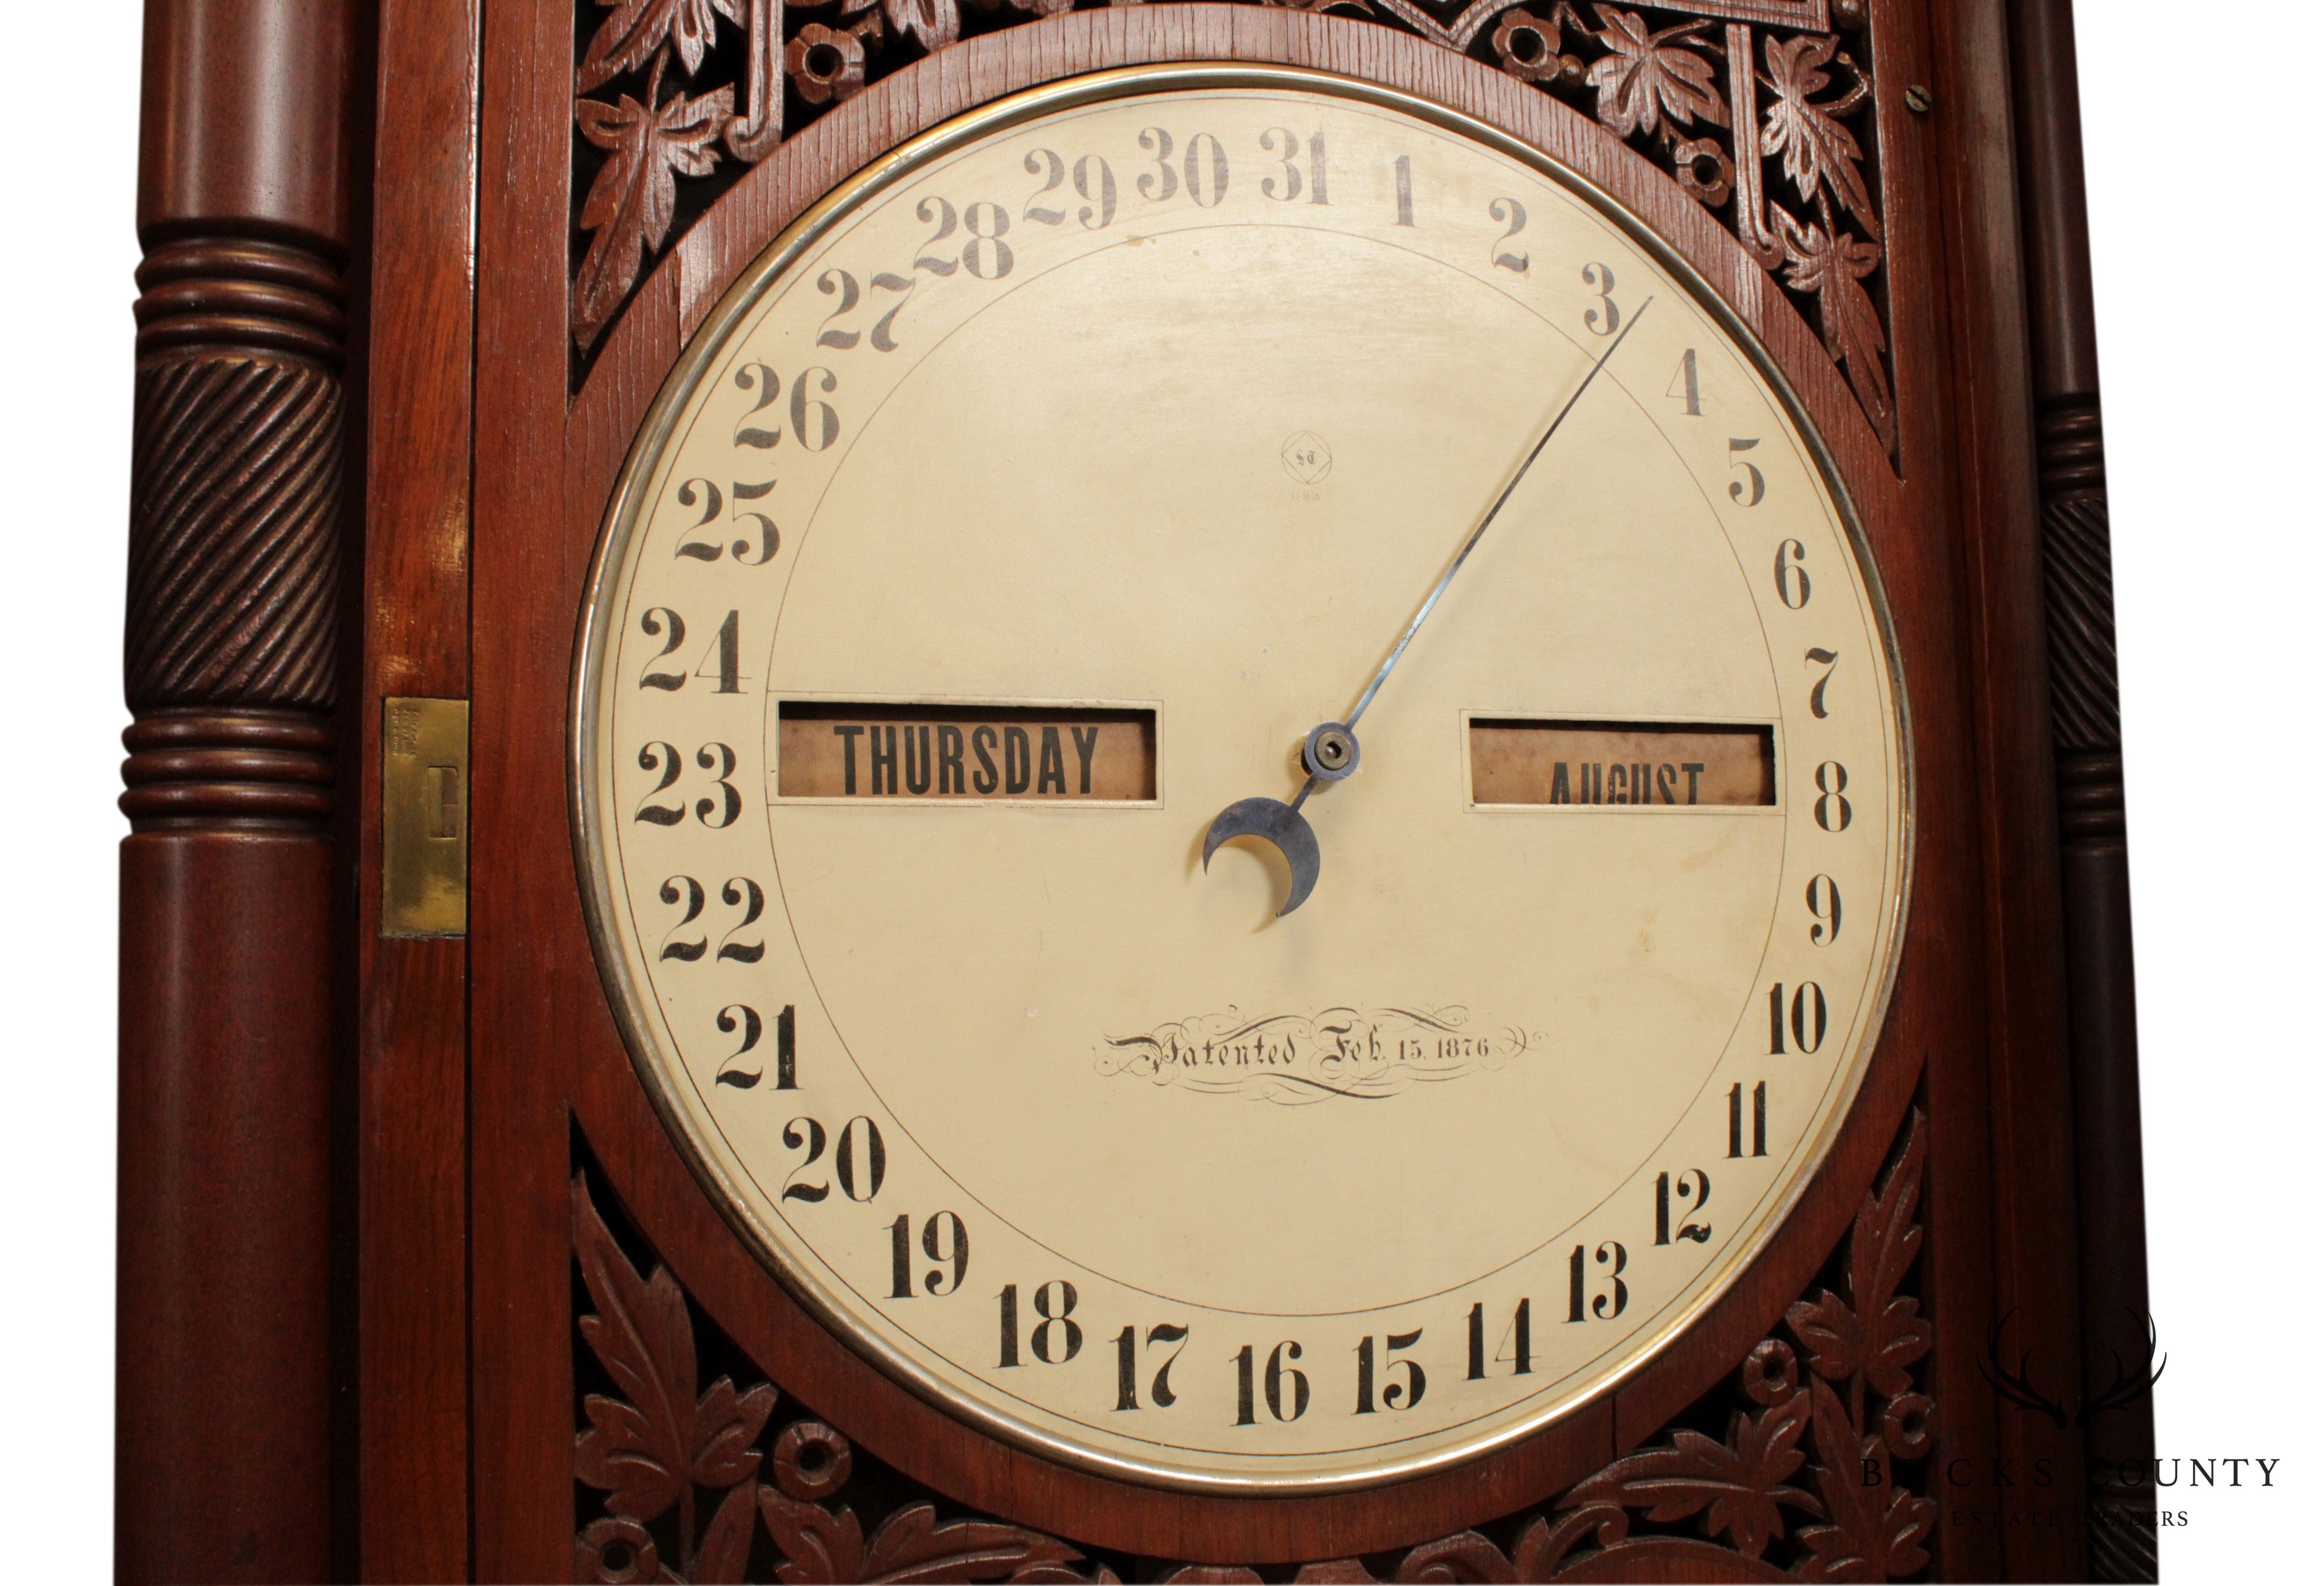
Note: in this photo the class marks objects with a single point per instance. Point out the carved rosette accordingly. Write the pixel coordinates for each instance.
(1760, 110)
(1808, 1480)
(232, 633)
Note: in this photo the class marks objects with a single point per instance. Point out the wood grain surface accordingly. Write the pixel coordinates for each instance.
(410, 1015)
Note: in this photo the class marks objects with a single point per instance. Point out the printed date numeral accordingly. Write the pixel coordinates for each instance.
(1056, 1337)
(1516, 1350)
(1396, 1395)
(943, 1237)
(1125, 1346)
(1286, 1385)
(1607, 1302)
(1691, 1190)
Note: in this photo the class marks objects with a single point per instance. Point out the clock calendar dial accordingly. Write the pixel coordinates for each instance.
(1029, 504)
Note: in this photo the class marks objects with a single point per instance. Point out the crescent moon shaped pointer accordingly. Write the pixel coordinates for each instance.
(1275, 822)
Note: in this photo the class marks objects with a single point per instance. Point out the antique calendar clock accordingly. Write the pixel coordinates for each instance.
(1183, 791)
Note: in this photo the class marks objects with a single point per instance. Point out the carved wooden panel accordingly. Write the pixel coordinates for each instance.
(681, 1478)
(1805, 1465)
(1760, 110)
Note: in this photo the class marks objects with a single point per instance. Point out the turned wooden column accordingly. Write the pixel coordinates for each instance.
(231, 663)
(2086, 726)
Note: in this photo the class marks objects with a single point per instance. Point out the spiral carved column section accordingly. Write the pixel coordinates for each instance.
(234, 553)
(223, 1429)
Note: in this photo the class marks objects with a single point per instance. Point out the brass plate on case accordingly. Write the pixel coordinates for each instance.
(424, 818)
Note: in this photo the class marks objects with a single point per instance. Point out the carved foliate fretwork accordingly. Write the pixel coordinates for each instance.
(1793, 1470)
(232, 632)
(1760, 110)
(679, 1480)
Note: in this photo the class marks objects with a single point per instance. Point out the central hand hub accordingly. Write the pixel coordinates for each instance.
(1331, 751)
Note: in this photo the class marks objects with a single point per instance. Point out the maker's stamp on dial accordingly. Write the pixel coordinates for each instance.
(1307, 457)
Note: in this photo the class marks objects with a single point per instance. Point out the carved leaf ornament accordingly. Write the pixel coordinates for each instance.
(627, 39)
(633, 201)
(1802, 1486)
(1719, 97)
(1819, 154)
(1833, 269)
(1644, 76)
(1737, 1486)
(929, 23)
(666, 1452)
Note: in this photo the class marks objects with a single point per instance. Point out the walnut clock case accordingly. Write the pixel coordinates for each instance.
(1179, 791)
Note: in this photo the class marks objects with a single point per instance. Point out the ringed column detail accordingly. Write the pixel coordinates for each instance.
(231, 669)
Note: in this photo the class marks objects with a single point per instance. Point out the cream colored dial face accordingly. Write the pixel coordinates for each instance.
(1026, 508)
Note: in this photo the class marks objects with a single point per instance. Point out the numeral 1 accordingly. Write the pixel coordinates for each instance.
(787, 1049)
(900, 1242)
(1315, 193)
(1758, 1119)
(1404, 190)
